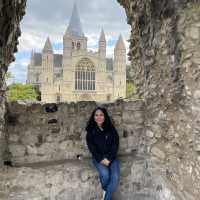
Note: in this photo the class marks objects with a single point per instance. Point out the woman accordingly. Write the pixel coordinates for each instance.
(103, 142)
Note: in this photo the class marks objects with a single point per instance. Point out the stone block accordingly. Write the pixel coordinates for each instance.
(17, 150)
(158, 152)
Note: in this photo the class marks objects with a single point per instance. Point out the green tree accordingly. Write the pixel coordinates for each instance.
(19, 91)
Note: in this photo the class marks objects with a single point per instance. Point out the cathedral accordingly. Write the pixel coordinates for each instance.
(79, 74)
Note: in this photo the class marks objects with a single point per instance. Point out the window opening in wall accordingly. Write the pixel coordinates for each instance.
(73, 45)
(81, 42)
(78, 46)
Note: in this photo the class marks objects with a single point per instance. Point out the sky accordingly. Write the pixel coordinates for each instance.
(50, 18)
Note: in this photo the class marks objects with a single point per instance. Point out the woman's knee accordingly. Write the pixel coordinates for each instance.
(115, 177)
(104, 172)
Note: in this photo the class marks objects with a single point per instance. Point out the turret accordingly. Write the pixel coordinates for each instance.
(47, 47)
(102, 45)
(119, 55)
(120, 69)
(47, 62)
(67, 45)
(30, 65)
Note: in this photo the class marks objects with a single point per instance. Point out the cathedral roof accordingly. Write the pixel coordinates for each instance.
(120, 43)
(75, 27)
(37, 59)
(48, 47)
(58, 60)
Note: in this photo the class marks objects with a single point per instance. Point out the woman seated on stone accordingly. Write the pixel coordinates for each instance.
(103, 142)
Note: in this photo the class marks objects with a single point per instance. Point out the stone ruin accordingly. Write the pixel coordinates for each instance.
(43, 155)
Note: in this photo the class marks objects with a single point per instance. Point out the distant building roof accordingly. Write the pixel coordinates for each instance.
(37, 59)
(58, 60)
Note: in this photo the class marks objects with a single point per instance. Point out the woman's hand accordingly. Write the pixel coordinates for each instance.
(105, 161)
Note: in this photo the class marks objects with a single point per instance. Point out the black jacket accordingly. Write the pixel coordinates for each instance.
(103, 144)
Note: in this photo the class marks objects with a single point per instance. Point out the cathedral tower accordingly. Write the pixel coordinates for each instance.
(47, 69)
(120, 69)
(47, 62)
(74, 42)
(102, 45)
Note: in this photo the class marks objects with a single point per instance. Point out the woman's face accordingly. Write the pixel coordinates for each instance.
(99, 117)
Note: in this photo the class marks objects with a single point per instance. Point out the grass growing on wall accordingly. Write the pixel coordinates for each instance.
(130, 89)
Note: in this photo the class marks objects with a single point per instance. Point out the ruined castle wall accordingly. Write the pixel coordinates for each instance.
(165, 57)
(11, 13)
(43, 142)
(50, 132)
(71, 180)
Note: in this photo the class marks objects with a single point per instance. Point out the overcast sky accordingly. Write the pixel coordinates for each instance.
(50, 18)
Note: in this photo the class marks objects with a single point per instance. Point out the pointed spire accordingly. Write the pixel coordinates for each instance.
(120, 43)
(102, 36)
(48, 47)
(75, 27)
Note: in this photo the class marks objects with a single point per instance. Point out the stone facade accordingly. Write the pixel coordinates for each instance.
(79, 74)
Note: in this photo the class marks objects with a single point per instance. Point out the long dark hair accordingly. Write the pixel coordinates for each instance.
(107, 124)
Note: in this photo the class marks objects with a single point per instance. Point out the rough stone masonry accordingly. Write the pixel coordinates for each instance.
(165, 55)
(11, 13)
(159, 135)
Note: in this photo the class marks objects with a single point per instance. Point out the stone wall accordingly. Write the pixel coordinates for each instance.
(43, 141)
(11, 12)
(49, 132)
(165, 42)
(71, 180)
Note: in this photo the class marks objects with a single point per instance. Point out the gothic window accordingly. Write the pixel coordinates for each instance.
(78, 46)
(73, 45)
(85, 75)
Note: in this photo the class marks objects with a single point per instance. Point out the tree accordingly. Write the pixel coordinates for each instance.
(19, 91)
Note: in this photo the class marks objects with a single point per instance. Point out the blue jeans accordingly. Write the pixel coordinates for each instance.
(109, 176)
